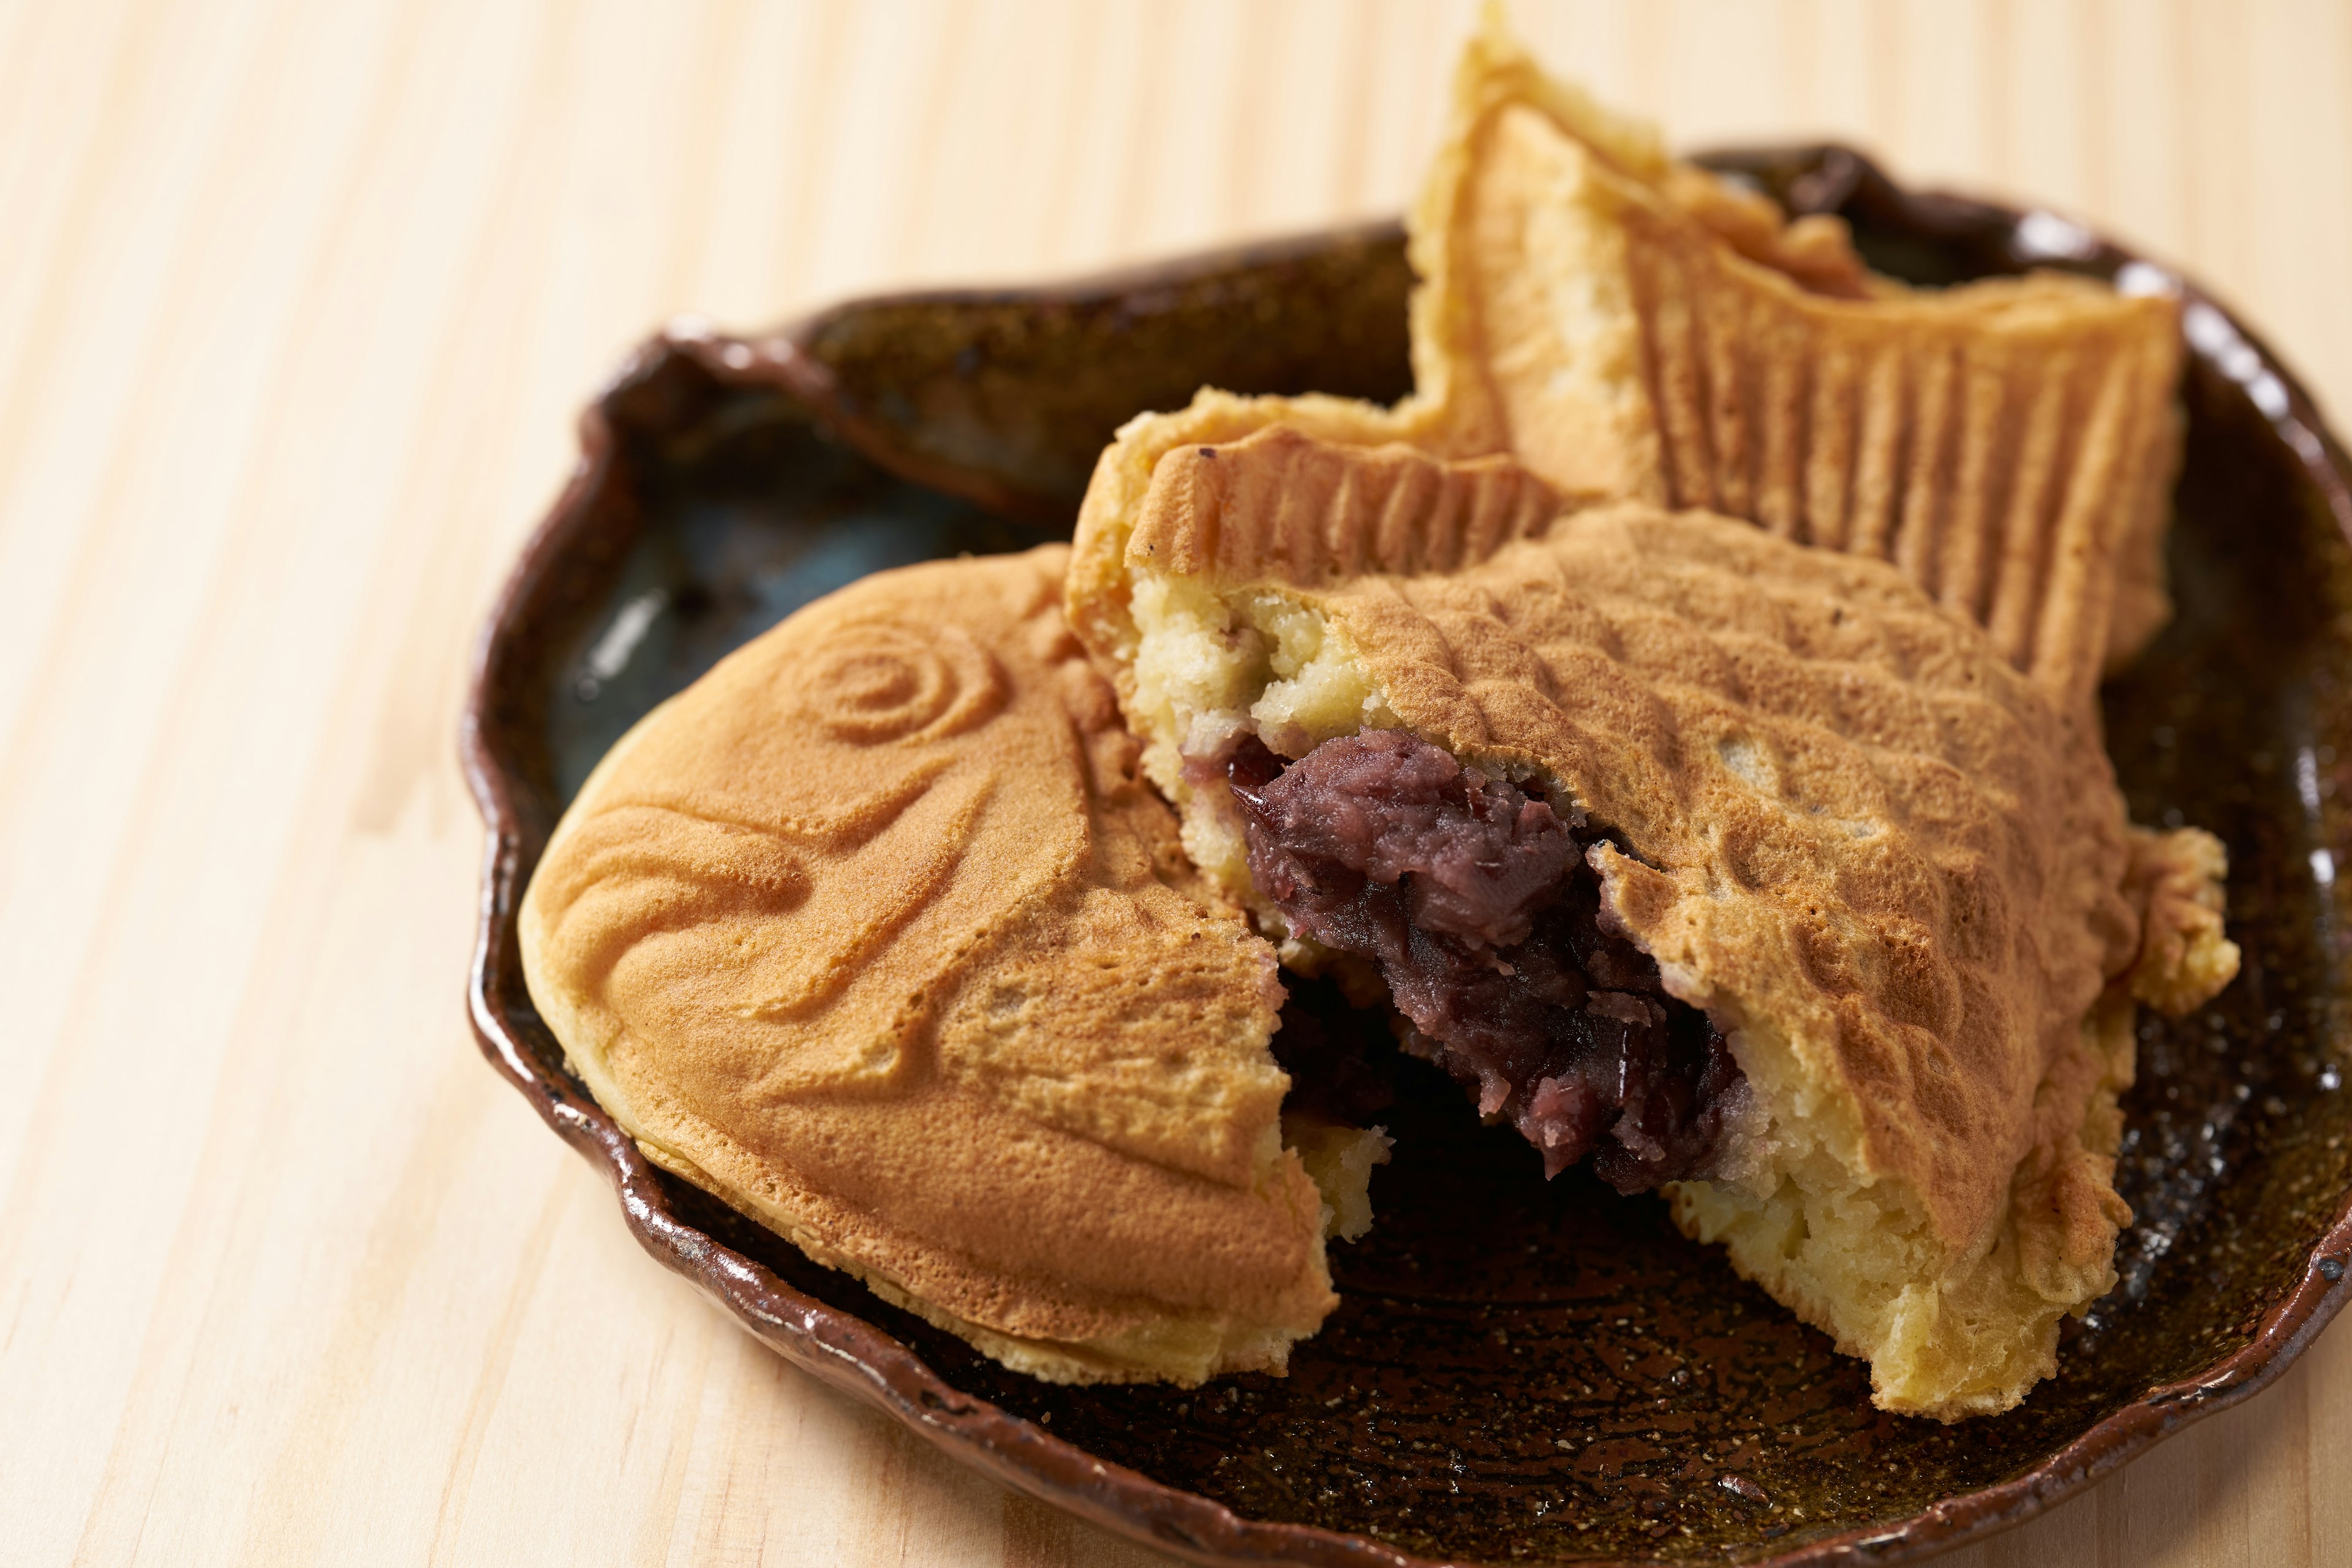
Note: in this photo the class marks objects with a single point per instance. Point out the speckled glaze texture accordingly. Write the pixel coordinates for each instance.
(1518, 1371)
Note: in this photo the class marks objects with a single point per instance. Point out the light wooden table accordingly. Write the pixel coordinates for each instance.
(296, 301)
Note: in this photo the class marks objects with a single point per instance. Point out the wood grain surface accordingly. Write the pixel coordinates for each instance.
(297, 302)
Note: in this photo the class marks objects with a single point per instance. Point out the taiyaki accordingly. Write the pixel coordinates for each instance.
(1741, 869)
(875, 933)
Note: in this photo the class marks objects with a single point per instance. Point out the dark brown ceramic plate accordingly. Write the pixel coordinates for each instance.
(1518, 1370)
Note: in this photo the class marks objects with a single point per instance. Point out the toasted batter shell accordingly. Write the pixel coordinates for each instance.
(2177, 878)
(2009, 444)
(874, 933)
(1892, 865)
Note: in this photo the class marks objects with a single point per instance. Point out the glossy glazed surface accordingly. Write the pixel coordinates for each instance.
(1518, 1370)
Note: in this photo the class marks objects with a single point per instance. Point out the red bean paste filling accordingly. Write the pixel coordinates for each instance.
(1476, 901)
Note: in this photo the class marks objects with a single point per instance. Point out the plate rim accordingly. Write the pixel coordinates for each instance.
(850, 1354)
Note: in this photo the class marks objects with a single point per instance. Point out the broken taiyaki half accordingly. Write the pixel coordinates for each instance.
(874, 933)
(1733, 867)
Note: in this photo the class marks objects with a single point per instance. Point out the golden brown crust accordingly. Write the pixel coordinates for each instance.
(2007, 444)
(874, 932)
(1890, 864)
(1316, 512)
(2184, 958)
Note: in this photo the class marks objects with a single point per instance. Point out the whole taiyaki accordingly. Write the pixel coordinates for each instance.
(875, 933)
(1733, 865)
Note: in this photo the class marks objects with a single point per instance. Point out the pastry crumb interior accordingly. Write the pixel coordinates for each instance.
(1208, 671)
(1339, 1160)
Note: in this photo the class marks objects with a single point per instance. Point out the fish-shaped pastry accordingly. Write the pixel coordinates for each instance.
(1735, 866)
(875, 933)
